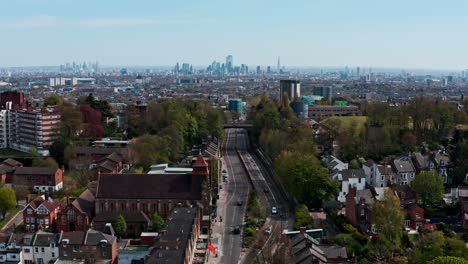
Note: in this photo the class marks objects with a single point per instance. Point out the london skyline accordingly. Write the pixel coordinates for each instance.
(388, 34)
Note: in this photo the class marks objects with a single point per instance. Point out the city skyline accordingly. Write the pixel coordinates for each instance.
(390, 34)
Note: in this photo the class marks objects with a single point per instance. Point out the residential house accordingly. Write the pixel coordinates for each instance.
(421, 162)
(378, 175)
(463, 196)
(20, 246)
(179, 235)
(112, 163)
(350, 178)
(41, 213)
(333, 164)
(405, 171)
(91, 246)
(407, 196)
(441, 162)
(358, 207)
(46, 247)
(7, 168)
(85, 156)
(38, 178)
(138, 196)
(77, 215)
(306, 250)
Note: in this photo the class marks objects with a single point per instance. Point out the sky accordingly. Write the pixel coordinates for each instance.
(423, 34)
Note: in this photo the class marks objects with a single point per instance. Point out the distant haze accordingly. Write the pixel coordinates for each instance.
(322, 33)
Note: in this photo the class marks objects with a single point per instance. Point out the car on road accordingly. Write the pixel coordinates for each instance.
(236, 230)
(268, 230)
(274, 210)
(224, 171)
(239, 203)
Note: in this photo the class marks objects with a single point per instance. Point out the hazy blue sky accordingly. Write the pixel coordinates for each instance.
(389, 33)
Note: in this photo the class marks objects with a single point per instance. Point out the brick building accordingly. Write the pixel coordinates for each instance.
(38, 178)
(41, 213)
(138, 196)
(76, 215)
(91, 246)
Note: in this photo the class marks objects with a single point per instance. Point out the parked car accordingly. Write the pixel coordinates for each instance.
(274, 210)
(268, 230)
(236, 230)
(239, 203)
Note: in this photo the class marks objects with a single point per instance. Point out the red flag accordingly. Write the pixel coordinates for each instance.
(211, 248)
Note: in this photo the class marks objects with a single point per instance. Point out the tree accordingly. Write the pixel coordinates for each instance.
(302, 217)
(150, 150)
(120, 226)
(92, 119)
(71, 123)
(157, 222)
(57, 151)
(448, 260)
(305, 178)
(80, 177)
(380, 250)
(44, 162)
(7, 199)
(430, 188)
(389, 218)
(53, 100)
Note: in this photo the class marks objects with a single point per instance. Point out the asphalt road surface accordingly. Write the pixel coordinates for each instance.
(237, 189)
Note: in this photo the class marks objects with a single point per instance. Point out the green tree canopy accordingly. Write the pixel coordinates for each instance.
(53, 100)
(302, 217)
(448, 260)
(44, 162)
(157, 222)
(71, 123)
(430, 188)
(7, 199)
(302, 175)
(389, 218)
(150, 150)
(120, 227)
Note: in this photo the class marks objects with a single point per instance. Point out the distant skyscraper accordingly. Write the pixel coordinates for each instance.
(292, 88)
(259, 70)
(279, 65)
(229, 63)
(358, 71)
(268, 69)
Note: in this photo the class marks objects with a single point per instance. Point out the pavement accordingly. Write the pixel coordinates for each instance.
(16, 220)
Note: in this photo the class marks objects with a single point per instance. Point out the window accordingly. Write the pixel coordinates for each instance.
(79, 220)
(65, 253)
(76, 248)
(37, 250)
(46, 221)
(71, 215)
(27, 219)
(53, 254)
(383, 178)
(42, 250)
(42, 210)
(26, 250)
(30, 211)
(64, 219)
(40, 261)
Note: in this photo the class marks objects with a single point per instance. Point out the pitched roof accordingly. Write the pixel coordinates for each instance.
(12, 163)
(114, 157)
(385, 169)
(85, 202)
(353, 173)
(403, 166)
(200, 162)
(74, 237)
(421, 161)
(6, 169)
(45, 239)
(36, 170)
(94, 238)
(368, 163)
(111, 217)
(150, 186)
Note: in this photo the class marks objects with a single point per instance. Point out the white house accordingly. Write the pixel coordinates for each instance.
(46, 247)
(354, 178)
